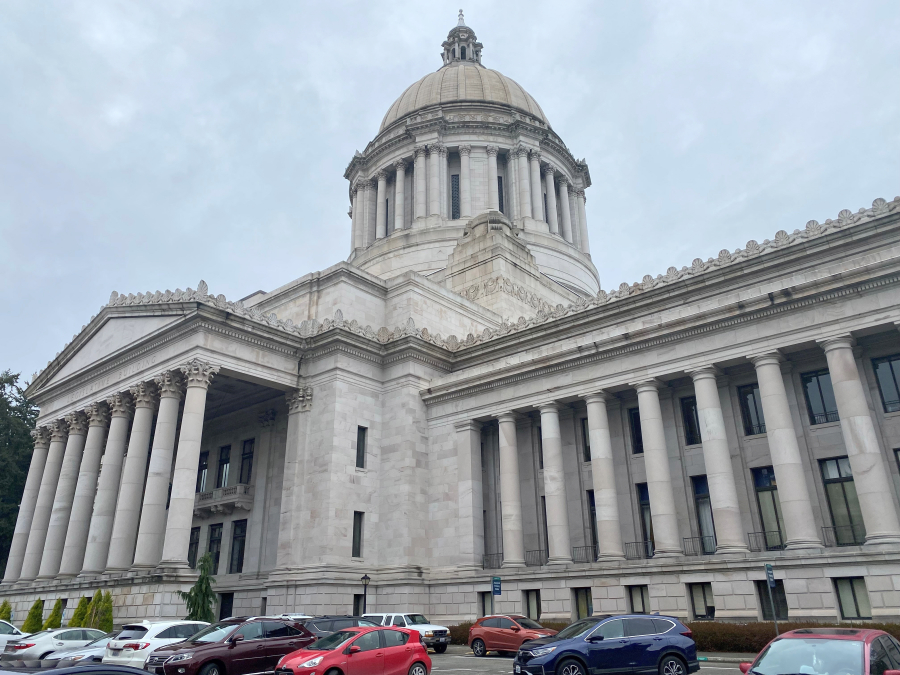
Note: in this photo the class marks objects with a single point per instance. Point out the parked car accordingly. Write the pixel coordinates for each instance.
(236, 646)
(136, 641)
(93, 669)
(849, 651)
(387, 651)
(504, 633)
(39, 645)
(436, 637)
(92, 652)
(640, 644)
(9, 632)
(322, 626)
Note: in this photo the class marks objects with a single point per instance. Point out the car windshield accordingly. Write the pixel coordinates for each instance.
(416, 620)
(811, 656)
(102, 640)
(525, 622)
(214, 633)
(132, 632)
(576, 629)
(333, 641)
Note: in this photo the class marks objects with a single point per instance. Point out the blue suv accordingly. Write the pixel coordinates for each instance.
(597, 645)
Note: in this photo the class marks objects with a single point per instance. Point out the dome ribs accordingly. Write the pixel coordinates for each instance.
(449, 85)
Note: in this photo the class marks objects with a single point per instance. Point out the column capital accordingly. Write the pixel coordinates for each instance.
(535, 155)
(704, 373)
(573, 190)
(596, 397)
(98, 414)
(418, 151)
(492, 150)
(299, 400)
(520, 151)
(170, 384)
(653, 384)
(144, 395)
(443, 151)
(434, 147)
(547, 406)
(464, 150)
(580, 194)
(41, 437)
(364, 184)
(199, 373)
(267, 418)
(549, 169)
(353, 189)
(400, 164)
(382, 174)
(78, 423)
(467, 425)
(120, 404)
(837, 342)
(508, 417)
(59, 430)
(771, 357)
(563, 182)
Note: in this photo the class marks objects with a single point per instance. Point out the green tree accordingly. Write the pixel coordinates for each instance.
(92, 614)
(79, 613)
(35, 618)
(55, 618)
(106, 613)
(201, 599)
(6, 611)
(17, 417)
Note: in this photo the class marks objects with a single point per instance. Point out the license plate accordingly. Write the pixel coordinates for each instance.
(518, 669)
(115, 652)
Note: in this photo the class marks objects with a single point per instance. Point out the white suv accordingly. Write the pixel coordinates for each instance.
(133, 644)
(436, 637)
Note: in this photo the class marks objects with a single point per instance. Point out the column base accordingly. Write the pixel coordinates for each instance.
(513, 563)
(88, 574)
(732, 548)
(803, 544)
(64, 577)
(561, 560)
(613, 556)
(668, 554)
(886, 539)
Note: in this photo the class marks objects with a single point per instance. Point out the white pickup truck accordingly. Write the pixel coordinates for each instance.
(436, 637)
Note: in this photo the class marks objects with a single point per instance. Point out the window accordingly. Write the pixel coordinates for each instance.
(500, 193)
(491, 623)
(584, 603)
(247, 462)
(592, 518)
(193, 547)
(853, 598)
(262, 605)
(639, 596)
(702, 601)
(358, 602)
(751, 410)
(643, 495)
(691, 421)
(586, 438)
(368, 641)
(635, 627)
(226, 604)
(505, 623)
(398, 621)
(485, 603)
(462, 52)
(252, 631)
(887, 372)
(820, 403)
(544, 523)
(843, 504)
(202, 471)
(533, 605)
(389, 226)
(637, 440)
(279, 629)
(778, 597)
(540, 444)
(224, 464)
(769, 507)
(215, 545)
(882, 656)
(546, 212)
(357, 534)
(704, 515)
(238, 541)
(394, 638)
(611, 629)
(361, 434)
(454, 197)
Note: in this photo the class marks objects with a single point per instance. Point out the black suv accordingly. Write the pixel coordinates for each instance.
(322, 626)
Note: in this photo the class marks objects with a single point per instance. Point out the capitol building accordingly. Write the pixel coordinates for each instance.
(460, 400)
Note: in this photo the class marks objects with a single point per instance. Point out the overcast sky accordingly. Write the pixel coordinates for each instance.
(147, 145)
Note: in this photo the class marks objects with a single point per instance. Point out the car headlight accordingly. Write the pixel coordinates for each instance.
(312, 663)
(429, 633)
(180, 657)
(77, 658)
(542, 651)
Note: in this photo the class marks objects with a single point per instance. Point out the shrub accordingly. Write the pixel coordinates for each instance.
(6, 611)
(717, 636)
(55, 618)
(35, 618)
(201, 599)
(92, 613)
(459, 635)
(80, 612)
(106, 613)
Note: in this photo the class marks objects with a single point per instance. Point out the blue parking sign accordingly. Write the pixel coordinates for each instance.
(495, 585)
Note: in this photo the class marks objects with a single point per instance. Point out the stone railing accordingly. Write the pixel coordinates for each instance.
(223, 500)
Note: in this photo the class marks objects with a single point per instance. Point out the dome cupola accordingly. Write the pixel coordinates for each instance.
(461, 44)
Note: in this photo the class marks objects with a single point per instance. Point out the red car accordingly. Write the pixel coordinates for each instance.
(836, 651)
(504, 633)
(360, 651)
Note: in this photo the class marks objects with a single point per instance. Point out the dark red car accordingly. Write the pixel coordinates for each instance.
(831, 651)
(504, 633)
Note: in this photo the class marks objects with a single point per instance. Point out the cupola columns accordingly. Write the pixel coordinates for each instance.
(493, 194)
(380, 210)
(566, 224)
(465, 196)
(537, 202)
(550, 187)
(419, 177)
(400, 188)
(524, 183)
(434, 188)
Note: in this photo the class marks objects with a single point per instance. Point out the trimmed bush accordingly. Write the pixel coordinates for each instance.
(55, 618)
(35, 618)
(459, 635)
(720, 636)
(79, 613)
(106, 613)
(6, 611)
(92, 614)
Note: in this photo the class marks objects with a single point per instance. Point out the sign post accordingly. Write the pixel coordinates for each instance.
(770, 584)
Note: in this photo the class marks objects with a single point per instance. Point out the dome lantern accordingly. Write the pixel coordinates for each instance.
(461, 44)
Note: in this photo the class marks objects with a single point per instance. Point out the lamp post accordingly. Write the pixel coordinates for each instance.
(365, 582)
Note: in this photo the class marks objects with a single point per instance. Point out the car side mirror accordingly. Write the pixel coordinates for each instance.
(237, 638)
(516, 629)
(746, 666)
(595, 638)
(353, 649)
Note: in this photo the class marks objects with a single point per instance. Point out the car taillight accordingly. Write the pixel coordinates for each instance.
(24, 646)
(136, 646)
(688, 634)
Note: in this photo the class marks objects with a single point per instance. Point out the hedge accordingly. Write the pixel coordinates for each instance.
(720, 636)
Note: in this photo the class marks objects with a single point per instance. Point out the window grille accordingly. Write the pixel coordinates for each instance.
(454, 197)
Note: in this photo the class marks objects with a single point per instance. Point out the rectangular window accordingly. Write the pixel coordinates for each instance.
(769, 508)
(820, 403)
(238, 541)
(262, 605)
(247, 462)
(224, 464)
(637, 440)
(778, 597)
(586, 438)
(705, 522)
(361, 433)
(843, 504)
(540, 444)
(226, 605)
(639, 596)
(533, 605)
(546, 216)
(643, 495)
(389, 225)
(500, 193)
(887, 372)
(544, 523)
(359, 604)
(215, 545)
(853, 598)
(751, 410)
(691, 421)
(454, 197)
(358, 534)
(702, 601)
(485, 603)
(193, 547)
(202, 471)
(592, 514)
(584, 603)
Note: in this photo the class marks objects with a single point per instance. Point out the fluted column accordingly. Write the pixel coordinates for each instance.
(362, 199)
(434, 186)
(465, 185)
(870, 475)
(444, 153)
(796, 507)
(537, 194)
(524, 183)
(152, 528)
(493, 193)
(371, 211)
(354, 217)
(198, 375)
(550, 187)
(573, 217)
(380, 211)
(290, 525)
(85, 489)
(723, 495)
(510, 494)
(470, 497)
(419, 175)
(667, 540)
(512, 171)
(128, 507)
(606, 500)
(399, 190)
(582, 222)
(566, 224)
(559, 544)
(16, 556)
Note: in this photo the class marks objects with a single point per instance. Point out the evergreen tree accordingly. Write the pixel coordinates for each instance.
(79, 613)
(92, 614)
(201, 599)
(6, 611)
(17, 417)
(35, 618)
(55, 618)
(106, 613)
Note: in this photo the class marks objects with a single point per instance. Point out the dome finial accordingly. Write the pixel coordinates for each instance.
(462, 19)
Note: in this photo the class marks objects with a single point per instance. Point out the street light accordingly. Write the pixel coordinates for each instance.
(365, 582)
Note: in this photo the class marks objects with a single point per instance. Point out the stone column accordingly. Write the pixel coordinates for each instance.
(258, 521)
(41, 438)
(85, 489)
(566, 224)
(524, 184)
(796, 507)
(723, 495)
(443, 177)
(362, 199)
(434, 186)
(606, 501)
(421, 201)
(65, 493)
(465, 186)
(471, 500)
(493, 193)
(573, 216)
(667, 540)
(380, 211)
(559, 544)
(198, 375)
(290, 535)
(43, 507)
(550, 187)
(354, 217)
(537, 194)
(399, 189)
(870, 475)
(512, 173)
(152, 529)
(371, 212)
(582, 222)
(510, 494)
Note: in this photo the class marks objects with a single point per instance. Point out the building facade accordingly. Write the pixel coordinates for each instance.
(460, 400)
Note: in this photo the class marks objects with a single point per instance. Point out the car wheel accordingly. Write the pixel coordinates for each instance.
(211, 669)
(570, 667)
(440, 649)
(44, 656)
(418, 668)
(672, 665)
(479, 648)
